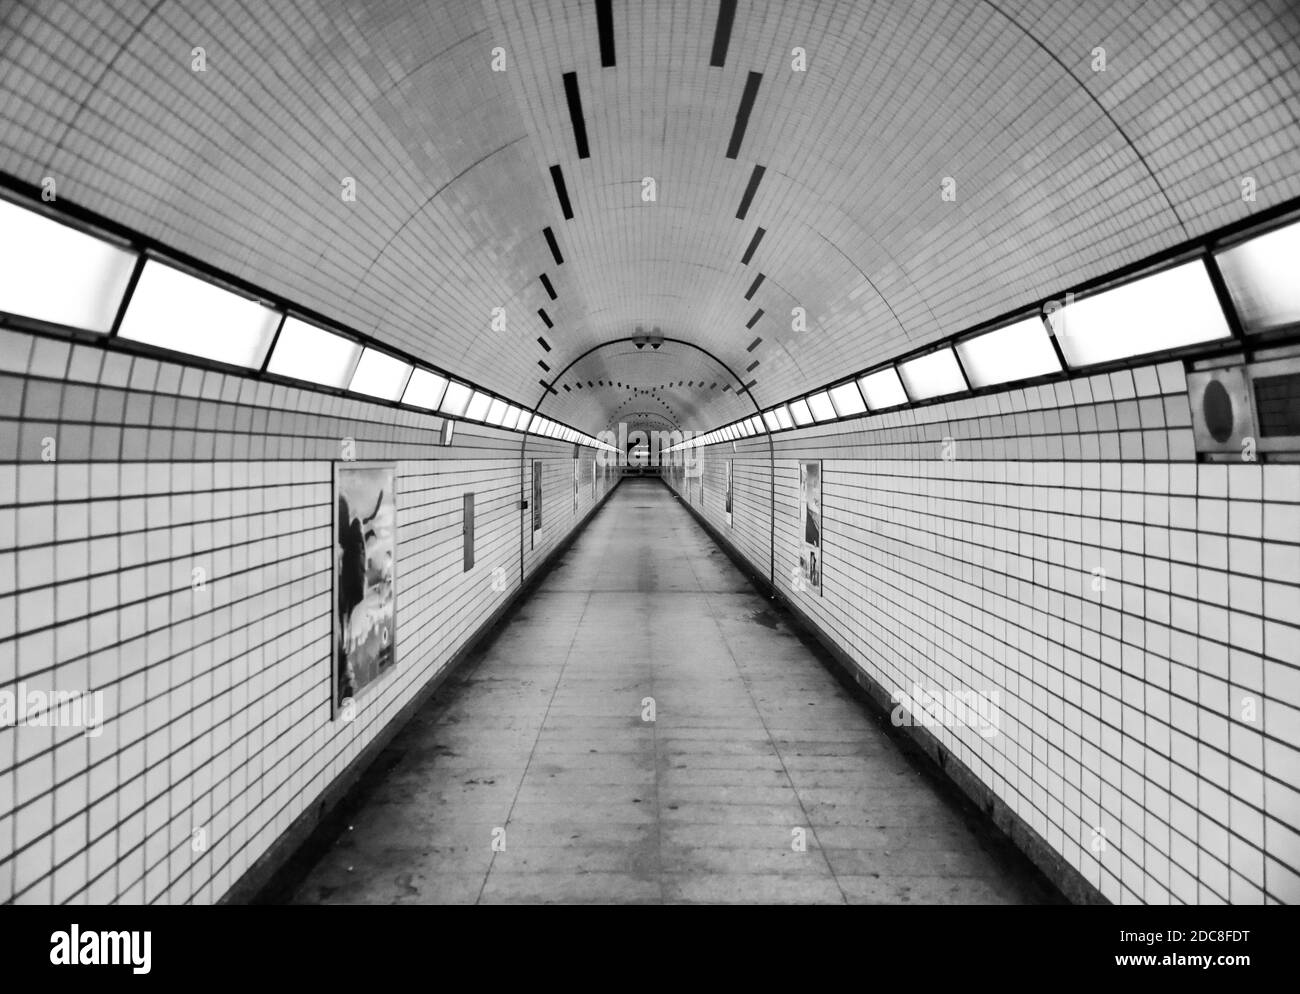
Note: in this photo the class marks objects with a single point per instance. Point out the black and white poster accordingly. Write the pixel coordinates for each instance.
(729, 493)
(365, 559)
(537, 499)
(810, 523)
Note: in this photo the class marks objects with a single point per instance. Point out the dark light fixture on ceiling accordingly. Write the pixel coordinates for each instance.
(641, 339)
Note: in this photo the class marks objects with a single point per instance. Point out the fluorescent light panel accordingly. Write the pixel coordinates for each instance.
(1263, 278)
(53, 272)
(801, 413)
(309, 353)
(883, 389)
(847, 400)
(174, 310)
(820, 406)
(425, 389)
(1016, 352)
(932, 375)
(380, 375)
(1165, 310)
(456, 399)
(478, 406)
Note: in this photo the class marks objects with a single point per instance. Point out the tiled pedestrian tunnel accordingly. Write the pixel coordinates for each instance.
(756, 778)
(484, 451)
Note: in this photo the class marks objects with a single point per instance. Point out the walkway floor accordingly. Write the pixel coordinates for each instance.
(542, 736)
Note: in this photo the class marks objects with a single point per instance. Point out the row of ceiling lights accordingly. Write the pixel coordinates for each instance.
(1246, 286)
(61, 277)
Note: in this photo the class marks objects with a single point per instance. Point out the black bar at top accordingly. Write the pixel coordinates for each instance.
(555, 249)
(742, 113)
(754, 179)
(605, 26)
(575, 114)
(722, 34)
(562, 192)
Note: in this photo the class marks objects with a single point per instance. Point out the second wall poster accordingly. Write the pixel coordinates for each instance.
(728, 493)
(537, 499)
(810, 523)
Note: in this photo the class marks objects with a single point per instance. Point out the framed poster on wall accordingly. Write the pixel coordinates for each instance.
(810, 523)
(365, 562)
(537, 499)
(729, 492)
(576, 466)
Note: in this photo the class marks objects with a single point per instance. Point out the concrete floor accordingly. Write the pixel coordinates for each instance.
(542, 735)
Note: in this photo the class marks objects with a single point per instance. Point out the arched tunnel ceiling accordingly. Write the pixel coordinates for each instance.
(1062, 172)
(683, 384)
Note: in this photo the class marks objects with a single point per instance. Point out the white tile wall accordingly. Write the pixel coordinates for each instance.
(217, 702)
(1162, 710)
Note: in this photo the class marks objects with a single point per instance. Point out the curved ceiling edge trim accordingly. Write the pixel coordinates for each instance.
(771, 449)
